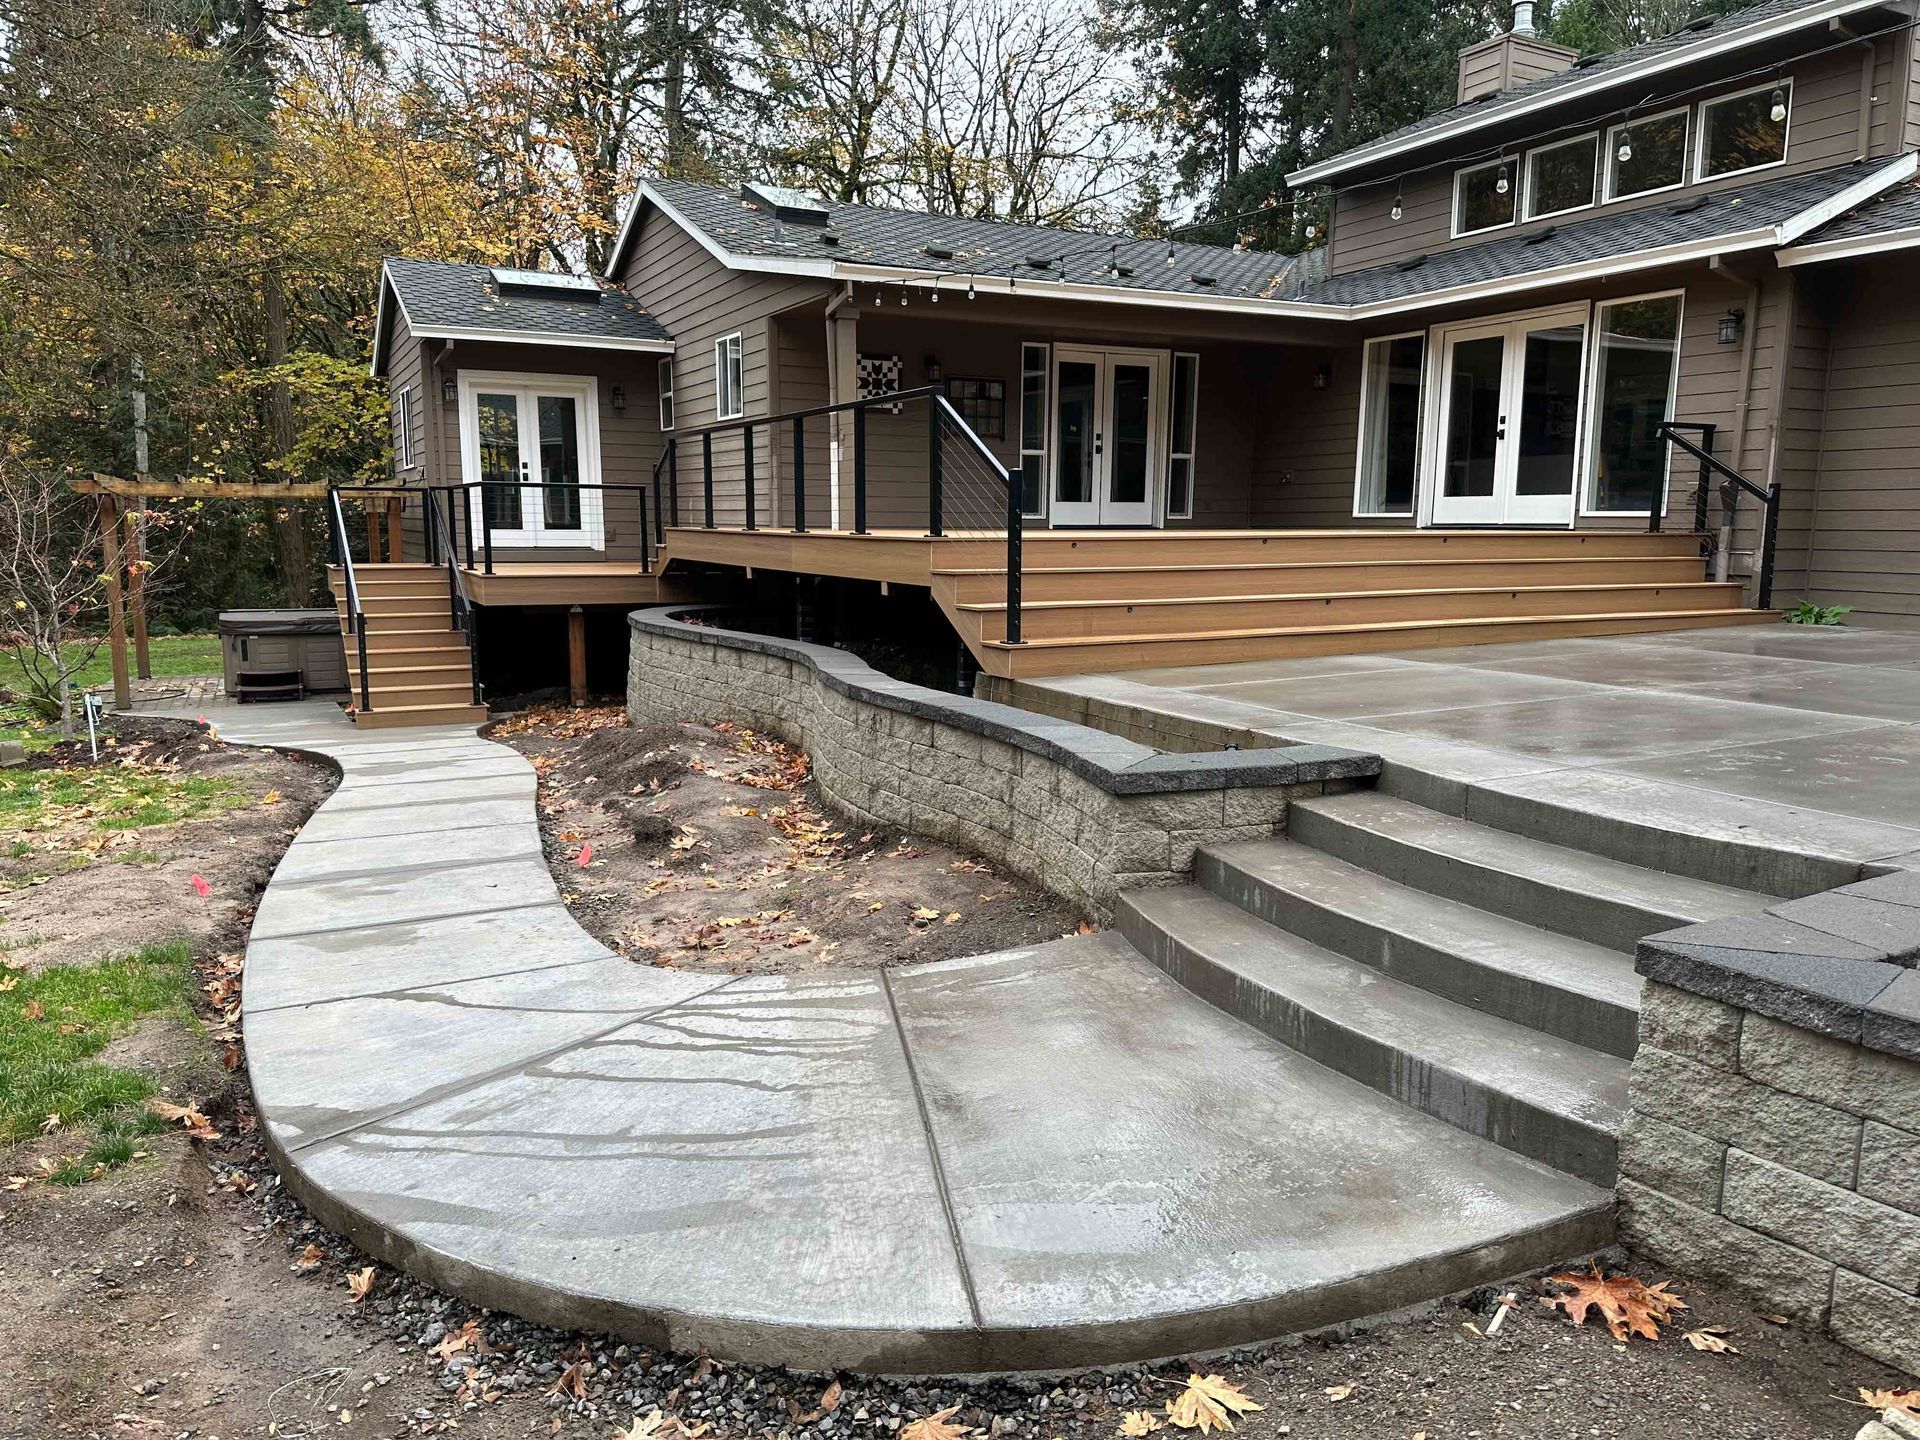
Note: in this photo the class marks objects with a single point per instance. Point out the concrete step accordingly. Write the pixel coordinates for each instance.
(1604, 901)
(1551, 983)
(1535, 1094)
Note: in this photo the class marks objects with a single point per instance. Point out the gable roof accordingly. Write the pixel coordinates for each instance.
(1889, 222)
(872, 242)
(442, 301)
(1754, 25)
(1758, 216)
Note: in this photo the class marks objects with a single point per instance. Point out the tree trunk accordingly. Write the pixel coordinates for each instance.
(674, 92)
(289, 529)
(1349, 82)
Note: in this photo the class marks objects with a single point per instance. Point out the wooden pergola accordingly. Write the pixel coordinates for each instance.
(120, 539)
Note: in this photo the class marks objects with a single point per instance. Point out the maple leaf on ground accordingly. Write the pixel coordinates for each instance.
(1901, 1402)
(572, 1381)
(1626, 1304)
(1711, 1338)
(937, 1426)
(197, 1125)
(1139, 1422)
(309, 1258)
(360, 1284)
(468, 1337)
(644, 1427)
(1206, 1402)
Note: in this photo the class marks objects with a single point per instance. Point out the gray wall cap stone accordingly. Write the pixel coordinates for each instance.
(1119, 767)
(1812, 991)
(1892, 1018)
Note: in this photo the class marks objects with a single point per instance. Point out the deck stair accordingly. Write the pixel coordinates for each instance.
(419, 669)
(1482, 977)
(1102, 601)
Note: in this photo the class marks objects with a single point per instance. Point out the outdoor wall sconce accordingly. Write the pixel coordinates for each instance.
(933, 368)
(449, 391)
(1323, 375)
(619, 397)
(1730, 324)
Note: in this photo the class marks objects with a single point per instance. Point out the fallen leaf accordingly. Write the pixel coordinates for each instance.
(360, 1284)
(1138, 1422)
(34, 1010)
(572, 1381)
(1626, 1304)
(197, 1125)
(1711, 1338)
(1901, 1402)
(936, 1426)
(1775, 1319)
(468, 1337)
(309, 1258)
(272, 797)
(1206, 1402)
(643, 1427)
(830, 1398)
(1336, 1393)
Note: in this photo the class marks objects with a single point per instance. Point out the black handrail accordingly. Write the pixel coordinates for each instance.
(486, 517)
(1731, 485)
(356, 618)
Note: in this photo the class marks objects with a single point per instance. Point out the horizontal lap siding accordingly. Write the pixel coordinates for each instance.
(1824, 131)
(1308, 442)
(699, 300)
(1866, 529)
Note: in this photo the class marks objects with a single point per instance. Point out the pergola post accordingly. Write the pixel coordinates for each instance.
(137, 586)
(116, 611)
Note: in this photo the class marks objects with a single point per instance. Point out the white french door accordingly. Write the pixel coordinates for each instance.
(1108, 446)
(1508, 427)
(534, 440)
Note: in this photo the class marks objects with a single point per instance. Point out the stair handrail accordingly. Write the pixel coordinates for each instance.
(1733, 483)
(356, 617)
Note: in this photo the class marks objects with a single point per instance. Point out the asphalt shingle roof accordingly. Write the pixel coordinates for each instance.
(437, 296)
(1697, 217)
(1898, 209)
(1591, 73)
(871, 235)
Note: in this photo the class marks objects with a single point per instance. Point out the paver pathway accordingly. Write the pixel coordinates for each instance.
(1042, 1158)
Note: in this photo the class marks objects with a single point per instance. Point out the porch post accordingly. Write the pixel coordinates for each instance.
(577, 656)
(116, 613)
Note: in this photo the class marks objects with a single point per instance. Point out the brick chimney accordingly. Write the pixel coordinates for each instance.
(1511, 60)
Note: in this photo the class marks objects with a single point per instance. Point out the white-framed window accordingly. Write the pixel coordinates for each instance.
(1635, 372)
(665, 389)
(1392, 394)
(1035, 363)
(1646, 156)
(1562, 177)
(728, 390)
(1744, 131)
(1484, 195)
(1182, 434)
(404, 458)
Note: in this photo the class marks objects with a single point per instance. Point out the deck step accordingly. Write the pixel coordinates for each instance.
(1212, 547)
(402, 716)
(1552, 983)
(1536, 1094)
(1238, 614)
(439, 638)
(1571, 892)
(384, 675)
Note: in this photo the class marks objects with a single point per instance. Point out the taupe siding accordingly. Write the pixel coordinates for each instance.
(404, 373)
(1308, 439)
(1824, 130)
(699, 300)
(1865, 526)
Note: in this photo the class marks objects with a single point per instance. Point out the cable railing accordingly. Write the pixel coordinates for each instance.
(923, 465)
(1732, 486)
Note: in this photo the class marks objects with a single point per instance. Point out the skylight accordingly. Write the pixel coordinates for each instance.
(787, 203)
(544, 280)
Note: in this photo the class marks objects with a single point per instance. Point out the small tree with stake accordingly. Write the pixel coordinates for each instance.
(50, 588)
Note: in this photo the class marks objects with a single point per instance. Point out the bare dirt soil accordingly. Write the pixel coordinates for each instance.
(708, 848)
(186, 1295)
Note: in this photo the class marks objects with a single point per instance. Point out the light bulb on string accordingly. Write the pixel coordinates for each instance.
(1625, 152)
(970, 287)
(1399, 205)
(1779, 110)
(1501, 186)
(1169, 257)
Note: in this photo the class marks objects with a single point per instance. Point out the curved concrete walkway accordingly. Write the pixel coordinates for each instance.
(1034, 1160)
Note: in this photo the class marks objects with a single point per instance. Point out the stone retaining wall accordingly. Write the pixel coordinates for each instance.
(1084, 813)
(1782, 1161)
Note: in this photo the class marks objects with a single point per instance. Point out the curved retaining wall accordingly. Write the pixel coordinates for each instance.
(1082, 812)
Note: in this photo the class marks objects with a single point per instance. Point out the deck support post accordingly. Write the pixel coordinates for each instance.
(116, 612)
(577, 656)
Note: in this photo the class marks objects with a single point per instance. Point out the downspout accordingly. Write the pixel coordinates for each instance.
(1743, 408)
(833, 398)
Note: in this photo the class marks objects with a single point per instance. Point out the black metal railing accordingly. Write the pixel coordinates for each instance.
(965, 480)
(1732, 486)
(356, 617)
(483, 559)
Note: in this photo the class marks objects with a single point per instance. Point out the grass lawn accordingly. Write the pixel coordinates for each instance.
(170, 654)
(54, 1023)
(117, 797)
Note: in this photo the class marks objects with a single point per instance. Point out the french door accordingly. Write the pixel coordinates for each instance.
(1509, 419)
(1108, 450)
(534, 440)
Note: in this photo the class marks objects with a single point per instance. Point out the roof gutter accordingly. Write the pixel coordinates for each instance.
(541, 337)
(1650, 67)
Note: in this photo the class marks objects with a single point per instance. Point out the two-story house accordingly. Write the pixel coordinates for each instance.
(1477, 411)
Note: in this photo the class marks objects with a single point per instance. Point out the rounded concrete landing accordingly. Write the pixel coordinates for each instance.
(1033, 1160)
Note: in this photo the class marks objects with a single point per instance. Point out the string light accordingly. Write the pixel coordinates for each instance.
(1399, 204)
(1625, 152)
(970, 287)
(1169, 257)
(1501, 186)
(1779, 110)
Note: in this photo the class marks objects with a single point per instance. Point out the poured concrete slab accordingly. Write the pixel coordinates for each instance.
(1870, 774)
(506, 783)
(388, 896)
(1395, 691)
(1621, 662)
(1871, 691)
(415, 819)
(308, 860)
(1834, 645)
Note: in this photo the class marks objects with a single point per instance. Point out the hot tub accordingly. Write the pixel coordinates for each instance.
(280, 654)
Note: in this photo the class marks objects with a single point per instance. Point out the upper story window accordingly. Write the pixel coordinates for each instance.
(729, 391)
(1747, 131)
(666, 392)
(403, 427)
(1562, 176)
(1647, 155)
(1484, 195)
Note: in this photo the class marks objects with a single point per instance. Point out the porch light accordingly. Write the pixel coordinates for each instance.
(619, 397)
(1502, 185)
(932, 364)
(1779, 110)
(1323, 375)
(449, 391)
(1730, 323)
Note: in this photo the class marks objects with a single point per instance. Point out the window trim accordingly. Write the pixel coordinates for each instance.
(1412, 511)
(404, 457)
(1512, 162)
(1608, 196)
(1526, 198)
(663, 392)
(1190, 456)
(1036, 445)
(1699, 147)
(729, 353)
(1590, 425)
